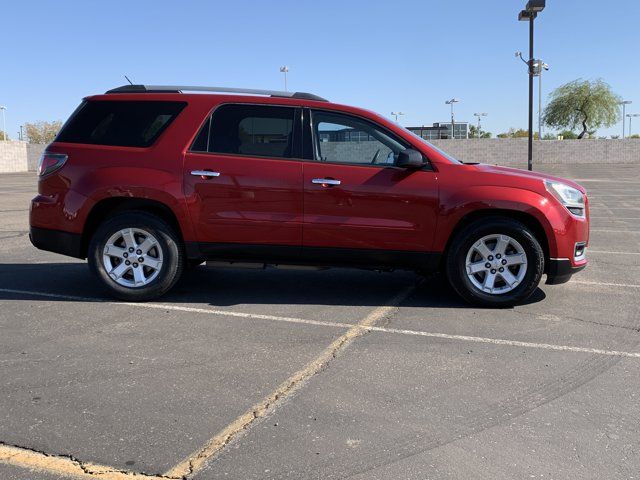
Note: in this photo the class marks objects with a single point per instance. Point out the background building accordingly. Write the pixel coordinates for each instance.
(441, 130)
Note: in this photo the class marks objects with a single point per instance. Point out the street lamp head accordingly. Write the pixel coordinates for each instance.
(453, 100)
(633, 115)
(535, 5)
(480, 114)
(284, 69)
(623, 102)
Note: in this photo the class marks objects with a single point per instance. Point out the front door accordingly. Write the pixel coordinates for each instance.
(242, 185)
(354, 197)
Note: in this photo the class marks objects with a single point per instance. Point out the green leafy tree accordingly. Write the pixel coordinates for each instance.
(473, 132)
(568, 135)
(4, 136)
(582, 103)
(635, 135)
(517, 133)
(42, 132)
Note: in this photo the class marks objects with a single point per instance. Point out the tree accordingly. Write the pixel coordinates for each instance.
(568, 135)
(519, 133)
(42, 132)
(590, 104)
(473, 132)
(4, 136)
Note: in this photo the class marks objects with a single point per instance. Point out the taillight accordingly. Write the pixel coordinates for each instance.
(50, 162)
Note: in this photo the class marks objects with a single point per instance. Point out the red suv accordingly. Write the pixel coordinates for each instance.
(145, 181)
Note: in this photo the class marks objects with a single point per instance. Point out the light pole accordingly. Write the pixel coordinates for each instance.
(479, 115)
(631, 115)
(4, 125)
(529, 14)
(540, 66)
(395, 114)
(285, 70)
(624, 104)
(453, 122)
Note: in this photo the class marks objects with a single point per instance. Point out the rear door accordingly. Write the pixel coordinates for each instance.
(242, 180)
(354, 196)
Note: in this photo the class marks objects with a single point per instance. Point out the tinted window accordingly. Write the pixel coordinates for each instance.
(346, 139)
(260, 131)
(121, 123)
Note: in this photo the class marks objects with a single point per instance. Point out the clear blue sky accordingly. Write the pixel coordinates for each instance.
(383, 55)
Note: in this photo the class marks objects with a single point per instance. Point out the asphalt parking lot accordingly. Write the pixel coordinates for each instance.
(243, 374)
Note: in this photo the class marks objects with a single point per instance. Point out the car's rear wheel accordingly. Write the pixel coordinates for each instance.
(136, 255)
(495, 262)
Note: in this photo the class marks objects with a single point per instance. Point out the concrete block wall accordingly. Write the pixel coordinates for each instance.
(23, 157)
(513, 151)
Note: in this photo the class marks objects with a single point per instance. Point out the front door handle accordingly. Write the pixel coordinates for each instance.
(325, 181)
(204, 173)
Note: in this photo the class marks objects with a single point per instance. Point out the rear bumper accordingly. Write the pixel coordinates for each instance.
(560, 270)
(66, 243)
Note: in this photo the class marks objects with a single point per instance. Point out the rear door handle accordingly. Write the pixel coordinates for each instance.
(204, 173)
(326, 181)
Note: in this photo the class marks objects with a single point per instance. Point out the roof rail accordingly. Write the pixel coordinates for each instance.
(183, 88)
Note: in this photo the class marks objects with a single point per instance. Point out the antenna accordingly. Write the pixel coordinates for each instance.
(130, 82)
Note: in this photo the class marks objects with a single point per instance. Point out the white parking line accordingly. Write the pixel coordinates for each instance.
(600, 230)
(466, 338)
(589, 251)
(605, 284)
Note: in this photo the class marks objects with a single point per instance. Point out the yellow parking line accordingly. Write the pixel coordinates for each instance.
(196, 460)
(65, 466)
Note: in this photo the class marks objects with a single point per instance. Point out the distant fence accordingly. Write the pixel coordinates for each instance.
(19, 156)
(23, 157)
(513, 151)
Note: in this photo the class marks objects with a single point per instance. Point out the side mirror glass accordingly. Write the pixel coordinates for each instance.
(409, 158)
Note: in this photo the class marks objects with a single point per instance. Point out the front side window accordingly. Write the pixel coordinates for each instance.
(119, 123)
(342, 138)
(252, 130)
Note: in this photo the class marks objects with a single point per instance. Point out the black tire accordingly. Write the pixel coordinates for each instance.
(472, 233)
(173, 258)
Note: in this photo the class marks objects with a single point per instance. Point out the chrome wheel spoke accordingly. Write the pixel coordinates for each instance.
(515, 259)
(129, 238)
(153, 263)
(138, 276)
(147, 245)
(509, 278)
(114, 251)
(482, 249)
(501, 245)
(119, 271)
(489, 281)
(476, 267)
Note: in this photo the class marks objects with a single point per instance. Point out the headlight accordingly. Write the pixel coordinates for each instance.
(570, 197)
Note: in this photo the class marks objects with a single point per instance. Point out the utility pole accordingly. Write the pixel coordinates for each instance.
(529, 14)
(285, 70)
(453, 122)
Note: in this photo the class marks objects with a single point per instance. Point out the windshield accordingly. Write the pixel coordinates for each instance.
(440, 151)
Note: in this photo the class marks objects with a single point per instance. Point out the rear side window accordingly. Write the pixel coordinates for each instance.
(120, 123)
(252, 130)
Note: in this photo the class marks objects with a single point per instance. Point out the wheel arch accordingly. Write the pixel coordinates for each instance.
(110, 206)
(527, 219)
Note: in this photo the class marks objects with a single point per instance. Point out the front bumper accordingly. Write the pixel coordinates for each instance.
(560, 270)
(66, 243)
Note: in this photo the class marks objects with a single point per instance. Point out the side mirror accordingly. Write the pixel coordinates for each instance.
(409, 158)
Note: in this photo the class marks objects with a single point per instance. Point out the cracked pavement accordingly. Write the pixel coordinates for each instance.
(119, 389)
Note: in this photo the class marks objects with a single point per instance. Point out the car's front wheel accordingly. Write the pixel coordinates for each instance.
(495, 262)
(136, 255)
